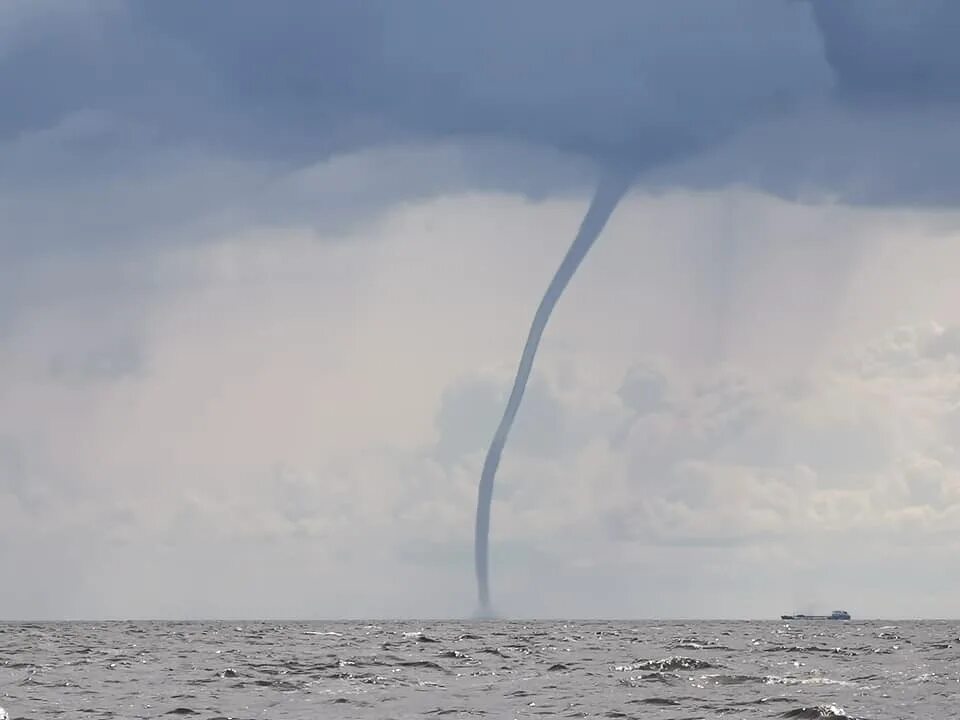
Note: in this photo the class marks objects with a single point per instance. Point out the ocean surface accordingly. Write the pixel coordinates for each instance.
(558, 669)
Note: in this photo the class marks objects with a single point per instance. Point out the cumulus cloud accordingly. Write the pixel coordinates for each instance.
(776, 472)
(286, 424)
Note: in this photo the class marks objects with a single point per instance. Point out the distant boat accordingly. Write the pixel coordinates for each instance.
(835, 615)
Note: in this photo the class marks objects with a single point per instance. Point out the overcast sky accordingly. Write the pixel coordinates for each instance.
(266, 271)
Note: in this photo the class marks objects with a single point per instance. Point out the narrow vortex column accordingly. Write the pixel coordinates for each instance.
(610, 190)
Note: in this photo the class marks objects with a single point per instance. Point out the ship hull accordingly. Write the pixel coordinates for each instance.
(835, 616)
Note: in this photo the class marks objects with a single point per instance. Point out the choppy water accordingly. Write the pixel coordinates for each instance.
(496, 670)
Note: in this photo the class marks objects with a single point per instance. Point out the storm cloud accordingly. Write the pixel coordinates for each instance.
(231, 236)
(131, 97)
(88, 85)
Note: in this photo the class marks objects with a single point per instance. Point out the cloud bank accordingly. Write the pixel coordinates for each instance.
(275, 266)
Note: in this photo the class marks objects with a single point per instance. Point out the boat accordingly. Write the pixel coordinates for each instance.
(835, 615)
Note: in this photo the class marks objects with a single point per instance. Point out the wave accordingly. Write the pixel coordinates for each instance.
(676, 662)
(817, 711)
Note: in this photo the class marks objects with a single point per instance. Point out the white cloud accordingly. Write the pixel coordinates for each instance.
(302, 429)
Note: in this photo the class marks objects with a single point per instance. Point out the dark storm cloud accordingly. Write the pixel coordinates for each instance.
(152, 104)
(628, 79)
(635, 79)
(901, 156)
(901, 50)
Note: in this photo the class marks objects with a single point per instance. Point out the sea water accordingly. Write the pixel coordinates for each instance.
(564, 669)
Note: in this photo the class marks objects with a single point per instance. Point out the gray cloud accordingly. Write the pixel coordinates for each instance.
(895, 50)
(899, 155)
(11, 465)
(93, 84)
(627, 80)
(135, 116)
(115, 361)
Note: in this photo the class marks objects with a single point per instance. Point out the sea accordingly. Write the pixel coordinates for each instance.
(492, 669)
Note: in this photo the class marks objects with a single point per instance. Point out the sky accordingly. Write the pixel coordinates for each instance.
(265, 275)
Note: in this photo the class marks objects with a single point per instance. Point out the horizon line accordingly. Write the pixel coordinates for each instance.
(464, 620)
